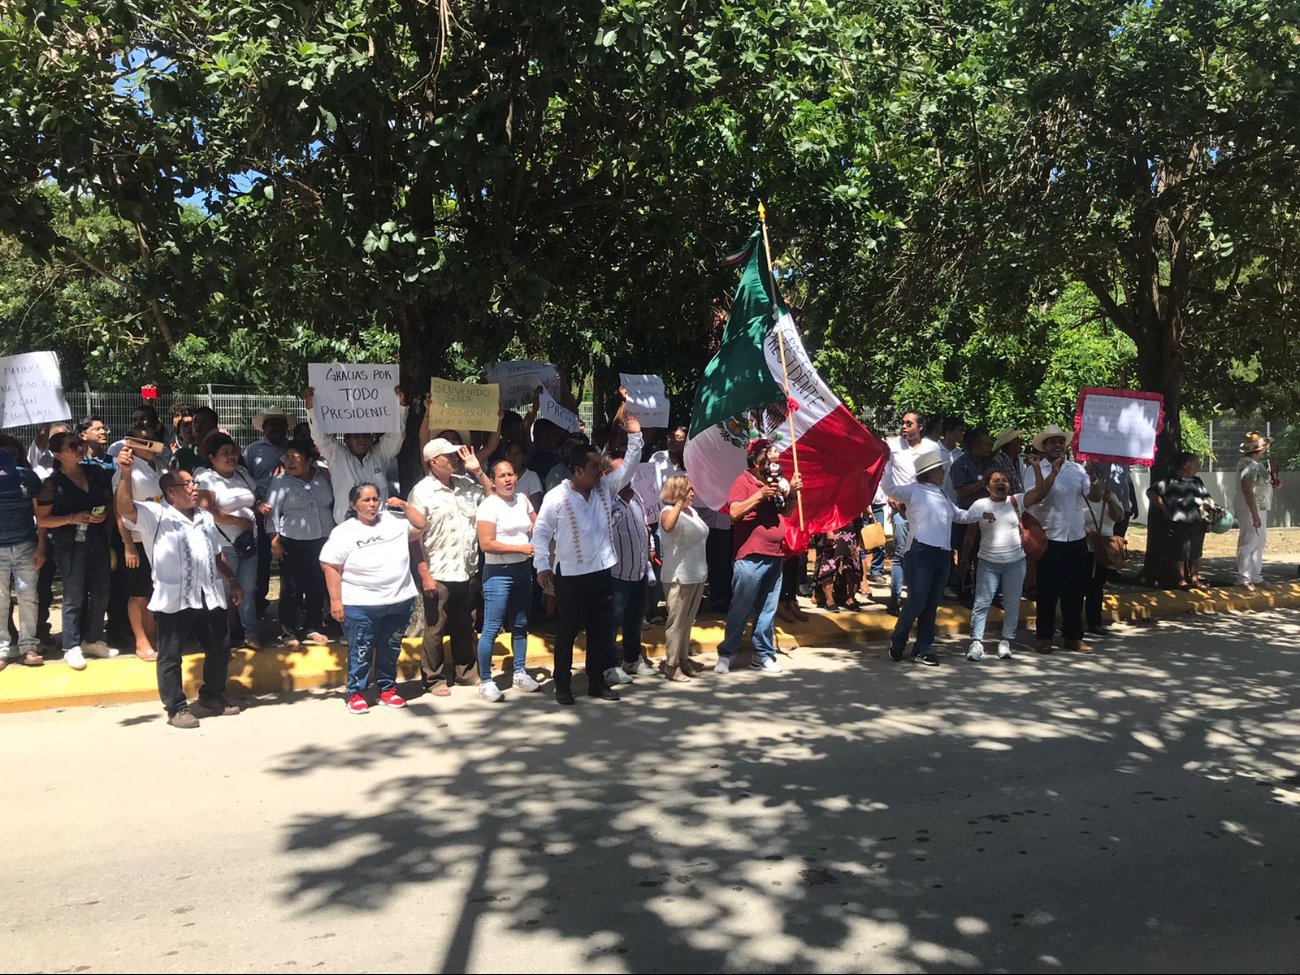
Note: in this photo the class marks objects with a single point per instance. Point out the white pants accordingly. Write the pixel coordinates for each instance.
(1250, 549)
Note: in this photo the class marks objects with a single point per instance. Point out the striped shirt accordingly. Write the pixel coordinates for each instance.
(631, 540)
(302, 511)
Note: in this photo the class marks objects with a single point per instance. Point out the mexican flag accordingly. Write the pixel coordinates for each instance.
(741, 397)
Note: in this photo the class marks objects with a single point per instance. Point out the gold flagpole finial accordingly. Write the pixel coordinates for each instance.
(762, 212)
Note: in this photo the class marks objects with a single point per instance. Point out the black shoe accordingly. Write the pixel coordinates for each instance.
(894, 606)
(927, 658)
(602, 691)
(895, 654)
(563, 695)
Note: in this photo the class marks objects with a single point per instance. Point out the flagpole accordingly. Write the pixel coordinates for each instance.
(785, 376)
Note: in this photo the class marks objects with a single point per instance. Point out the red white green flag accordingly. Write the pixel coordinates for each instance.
(740, 397)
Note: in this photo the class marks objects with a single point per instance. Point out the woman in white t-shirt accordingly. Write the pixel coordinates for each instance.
(1002, 560)
(505, 531)
(229, 493)
(528, 484)
(367, 566)
(684, 536)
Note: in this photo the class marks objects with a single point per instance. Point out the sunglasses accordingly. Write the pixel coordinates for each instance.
(79, 445)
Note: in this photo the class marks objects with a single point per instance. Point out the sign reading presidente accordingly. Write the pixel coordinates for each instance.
(1117, 426)
(355, 398)
(646, 398)
(31, 389)
(519, 381)
(463, 406)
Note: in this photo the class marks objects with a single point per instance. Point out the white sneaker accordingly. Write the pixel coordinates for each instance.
(489, 691)
(975, 651)
(74, 659)
(767, 665)
(524, 682)
(617, 675)
(722, 666)
(10, 653)
(1004, 650)
(99, 649)
(643, 669)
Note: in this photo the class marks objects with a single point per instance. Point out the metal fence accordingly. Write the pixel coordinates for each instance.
(1226, 434)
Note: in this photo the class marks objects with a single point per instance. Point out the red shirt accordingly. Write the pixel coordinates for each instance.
(762, 530)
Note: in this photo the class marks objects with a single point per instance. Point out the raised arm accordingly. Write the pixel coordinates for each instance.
(615, 481)
(388, 447)
(330, 449)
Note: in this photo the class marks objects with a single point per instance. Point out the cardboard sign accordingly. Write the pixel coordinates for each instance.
(1117, 426)
(463, 406)
(646, 398)
(549, 409)
(31, 389)
(355, 398)
(519, 381)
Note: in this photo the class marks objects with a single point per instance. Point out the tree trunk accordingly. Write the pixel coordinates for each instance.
(1161, 369)
(422, 355)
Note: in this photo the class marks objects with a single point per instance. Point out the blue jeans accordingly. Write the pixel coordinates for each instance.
(629, 615)
(84, 568)
(755, 589)
(877, 554)
(897, 572)
(245, 571)
(927, 571)
(507, 594)
(18, 562)
(374, 632)
(988, 576)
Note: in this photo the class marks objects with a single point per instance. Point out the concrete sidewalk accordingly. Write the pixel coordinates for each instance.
(127, 678)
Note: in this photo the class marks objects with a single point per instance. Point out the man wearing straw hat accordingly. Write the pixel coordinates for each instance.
(1256, 481)
(1064, 569)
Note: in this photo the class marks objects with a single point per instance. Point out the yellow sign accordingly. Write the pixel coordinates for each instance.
(463, 406)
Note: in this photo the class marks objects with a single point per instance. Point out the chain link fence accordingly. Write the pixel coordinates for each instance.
(1226, 434)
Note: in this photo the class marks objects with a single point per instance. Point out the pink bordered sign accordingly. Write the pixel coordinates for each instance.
(1117, 426)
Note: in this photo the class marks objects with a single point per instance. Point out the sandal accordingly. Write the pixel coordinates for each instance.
(33, 659)
(317, 639)
(442, 690)
(149, 656)
(679, 678)
(291, 644)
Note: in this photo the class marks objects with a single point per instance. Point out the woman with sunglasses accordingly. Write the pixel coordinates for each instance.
(73, 507)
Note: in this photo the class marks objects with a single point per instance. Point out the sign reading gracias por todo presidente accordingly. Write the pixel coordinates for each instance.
(355, 397)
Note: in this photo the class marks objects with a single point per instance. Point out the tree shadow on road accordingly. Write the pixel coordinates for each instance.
(1047, 813)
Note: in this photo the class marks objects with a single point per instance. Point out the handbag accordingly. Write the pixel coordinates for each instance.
(1108, 551)
(1033, 537)
(872, 536)
(244, 544)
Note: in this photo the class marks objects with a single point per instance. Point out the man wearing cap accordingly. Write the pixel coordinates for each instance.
(183, 547)
(1006, 457)
(758, 526)
(358, 459)
(446, 562)
(903, 450)
(1251, 501)
(263, 458)
(144, 474)
(1065, 568)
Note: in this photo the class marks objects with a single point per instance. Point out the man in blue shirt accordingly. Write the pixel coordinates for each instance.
(21, 553)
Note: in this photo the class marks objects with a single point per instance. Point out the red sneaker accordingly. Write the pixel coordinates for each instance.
(357, 704)
(392, 699)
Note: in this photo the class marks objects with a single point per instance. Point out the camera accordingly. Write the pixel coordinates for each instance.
(774, 479)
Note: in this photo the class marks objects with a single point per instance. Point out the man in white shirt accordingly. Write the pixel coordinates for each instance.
(446, 562)
(903, 450)
(358, 459)
(1065, 568)
(145, 486)
(263, 457)
(577, 515)
(184, 549)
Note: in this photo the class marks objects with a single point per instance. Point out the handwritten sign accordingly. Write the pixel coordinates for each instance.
(31, 389)
(646, 398)
(1117, 426)
(355, 397)
(519, 380)
(462, 406)
(549, 409)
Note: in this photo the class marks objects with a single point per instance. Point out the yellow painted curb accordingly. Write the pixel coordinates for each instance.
(128, 678)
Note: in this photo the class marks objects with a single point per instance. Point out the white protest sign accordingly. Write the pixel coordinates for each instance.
(1117, 426)
(519, 380)
(549, 409)
(355, 397)
(31, 389)
(646, 398)
(462, 406)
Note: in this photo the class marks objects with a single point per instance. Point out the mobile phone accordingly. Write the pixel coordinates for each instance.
(98, 510)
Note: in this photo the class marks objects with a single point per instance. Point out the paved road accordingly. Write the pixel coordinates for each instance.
(1132, 811)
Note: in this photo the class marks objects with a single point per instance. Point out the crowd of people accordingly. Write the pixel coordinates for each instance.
(172, 535)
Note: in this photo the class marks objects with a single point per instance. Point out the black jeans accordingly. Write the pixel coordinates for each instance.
(302, 588)
(211, 628)
(264, 570)
(83, 567)
(1063, 577)
(584, 602)
(720, 555)
(1094, 594)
